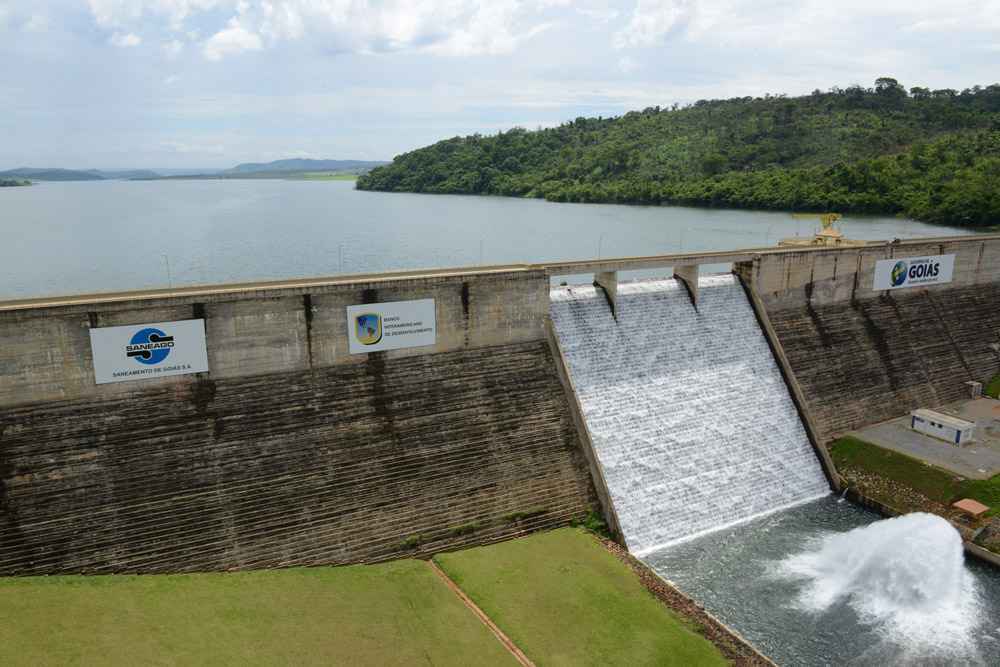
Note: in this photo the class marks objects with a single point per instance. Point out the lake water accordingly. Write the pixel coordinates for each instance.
(70, 238)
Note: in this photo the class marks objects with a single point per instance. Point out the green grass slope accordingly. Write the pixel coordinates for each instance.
(932, 155)
(564, 600)
(397, 613)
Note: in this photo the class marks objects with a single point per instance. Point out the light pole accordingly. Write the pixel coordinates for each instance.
(767, 235)
(170, 280)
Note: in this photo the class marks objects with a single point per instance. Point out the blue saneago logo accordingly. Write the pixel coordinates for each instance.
(149, 346)
(898, 274)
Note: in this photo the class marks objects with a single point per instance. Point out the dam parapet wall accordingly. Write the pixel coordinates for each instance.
(289, 450)
(259, 329)
(827, 276)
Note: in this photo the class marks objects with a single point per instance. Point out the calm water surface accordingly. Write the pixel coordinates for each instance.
(64, 238)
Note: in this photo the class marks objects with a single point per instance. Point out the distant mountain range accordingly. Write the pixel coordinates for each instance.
(56, 174)
(51, 174)
(303, 165)
(278, 168)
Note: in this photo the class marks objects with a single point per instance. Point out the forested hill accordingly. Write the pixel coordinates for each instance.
(932, 155)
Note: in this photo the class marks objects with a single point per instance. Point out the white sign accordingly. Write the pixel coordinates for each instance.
(913, 271)
(144, 351)
(389, 326)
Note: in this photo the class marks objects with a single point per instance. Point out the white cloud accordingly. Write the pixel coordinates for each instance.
(627, 65)
(651, 21)
(173, 48)
(443, 27)
(813, 24)
(493, 30)
(234, 39)
(125, 40)
(600, 15)
(37, 23)
(119, 13)
(171, 80)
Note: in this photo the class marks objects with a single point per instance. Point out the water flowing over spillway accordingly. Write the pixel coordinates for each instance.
(687, 409)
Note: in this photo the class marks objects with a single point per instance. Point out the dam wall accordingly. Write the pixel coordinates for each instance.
(289, 450)
(863, 355)
(291, 447)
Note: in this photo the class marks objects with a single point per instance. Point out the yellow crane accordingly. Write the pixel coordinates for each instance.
(828, 235)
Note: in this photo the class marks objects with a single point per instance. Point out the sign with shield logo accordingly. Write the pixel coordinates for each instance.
(368, 328)
(391, 325)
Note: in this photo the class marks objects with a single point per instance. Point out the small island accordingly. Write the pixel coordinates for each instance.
(12, 182)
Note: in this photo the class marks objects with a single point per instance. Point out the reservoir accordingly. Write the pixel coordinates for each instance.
(81, 237)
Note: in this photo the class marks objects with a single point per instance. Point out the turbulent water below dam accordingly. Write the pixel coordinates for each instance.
(687, 409)
(828, 583)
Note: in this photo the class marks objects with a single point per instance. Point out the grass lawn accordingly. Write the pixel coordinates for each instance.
(938, 485)
(564, 600)
(398, 613)
(993, 387)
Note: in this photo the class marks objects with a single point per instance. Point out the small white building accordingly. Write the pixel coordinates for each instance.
(943, 427)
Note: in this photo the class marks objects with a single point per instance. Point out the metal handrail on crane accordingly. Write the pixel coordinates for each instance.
(828, 235)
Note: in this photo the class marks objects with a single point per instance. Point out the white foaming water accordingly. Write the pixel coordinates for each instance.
(688, 411)
(905, 575)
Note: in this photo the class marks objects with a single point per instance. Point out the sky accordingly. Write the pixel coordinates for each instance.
(210, 83)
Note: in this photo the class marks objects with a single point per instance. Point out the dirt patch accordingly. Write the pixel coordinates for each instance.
(732, 646)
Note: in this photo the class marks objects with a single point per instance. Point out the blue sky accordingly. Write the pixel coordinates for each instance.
(209, 83)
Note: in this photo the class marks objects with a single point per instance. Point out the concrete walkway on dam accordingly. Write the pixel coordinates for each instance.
(784, 256)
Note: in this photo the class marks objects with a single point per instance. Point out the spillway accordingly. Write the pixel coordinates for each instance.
(687, 410)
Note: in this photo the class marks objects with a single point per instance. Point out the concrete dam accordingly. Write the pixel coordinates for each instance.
(364, 418)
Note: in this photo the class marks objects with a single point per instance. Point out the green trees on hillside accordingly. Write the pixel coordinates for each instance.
(929, 154)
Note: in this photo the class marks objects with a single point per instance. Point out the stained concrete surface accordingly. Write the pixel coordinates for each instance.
(979, 459)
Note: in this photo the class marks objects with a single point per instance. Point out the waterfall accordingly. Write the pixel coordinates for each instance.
(687, 410)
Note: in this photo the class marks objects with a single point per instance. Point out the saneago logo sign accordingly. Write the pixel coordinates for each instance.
(899, 273)
(913, 272)
(148, 350)
(149, 346)
(368, 328)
